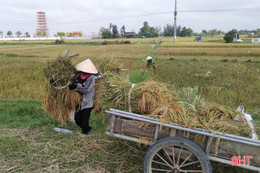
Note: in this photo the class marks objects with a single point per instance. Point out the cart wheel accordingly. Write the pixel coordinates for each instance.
(176, 155)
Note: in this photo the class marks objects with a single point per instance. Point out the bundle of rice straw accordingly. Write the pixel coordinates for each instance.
(59, 100)
(162, 101)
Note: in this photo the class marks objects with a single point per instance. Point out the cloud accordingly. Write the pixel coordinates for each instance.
(89, 15)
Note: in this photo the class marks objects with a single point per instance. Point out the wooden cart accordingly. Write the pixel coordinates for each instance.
(172, 149)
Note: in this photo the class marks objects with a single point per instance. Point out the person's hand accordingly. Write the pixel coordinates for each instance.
(72, 86)
(79, 85)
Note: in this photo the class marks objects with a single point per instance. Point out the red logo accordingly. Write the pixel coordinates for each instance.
(237, 160)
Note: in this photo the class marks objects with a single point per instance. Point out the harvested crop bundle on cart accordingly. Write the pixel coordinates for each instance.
(162, 101)
(59, 99)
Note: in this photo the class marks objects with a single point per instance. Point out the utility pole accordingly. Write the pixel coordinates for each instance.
(175, 18)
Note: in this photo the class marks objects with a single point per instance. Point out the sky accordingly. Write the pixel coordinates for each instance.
(88, 16)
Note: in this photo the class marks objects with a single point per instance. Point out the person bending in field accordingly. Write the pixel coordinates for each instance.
(84, 82)
(150, 64)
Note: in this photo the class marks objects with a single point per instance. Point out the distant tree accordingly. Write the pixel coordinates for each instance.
(257, 33)
(189, 32)
(229, 37)
(212, 32)
(18, 33)
(243, 32)
(110, 27)
(183, 32)
(9, 33)
(114, 32)
(105, 33)
(41, 34)
(178, 30)
(61, 34)
(147, 31)
(38, 33)
(168, 30)
(70, 34)
(204, 32)
(1, 33)
(27, 34)
(146, 24)
(154, 31)
(250, 33)
(186, 32)
(122, 31)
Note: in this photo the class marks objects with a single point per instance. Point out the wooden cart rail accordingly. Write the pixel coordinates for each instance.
(125, 125)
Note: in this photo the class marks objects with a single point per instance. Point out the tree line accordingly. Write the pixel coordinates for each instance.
(147, 31)
(18, 34)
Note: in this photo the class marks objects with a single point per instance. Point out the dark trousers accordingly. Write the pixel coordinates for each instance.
(82, 119)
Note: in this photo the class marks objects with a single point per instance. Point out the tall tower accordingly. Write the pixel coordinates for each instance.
(41, 29)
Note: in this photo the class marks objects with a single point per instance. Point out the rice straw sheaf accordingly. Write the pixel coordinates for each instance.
(58, 71)
(109, 90)
(217, 117)
(159, 100)
(112, 92)
(59, 102)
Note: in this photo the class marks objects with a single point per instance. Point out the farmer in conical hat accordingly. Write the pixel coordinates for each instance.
(150, 63)
(84, 83)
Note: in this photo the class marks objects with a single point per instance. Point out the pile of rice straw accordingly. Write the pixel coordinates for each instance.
(183, 106)
(59, 100)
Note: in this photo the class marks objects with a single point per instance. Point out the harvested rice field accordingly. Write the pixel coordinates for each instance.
(222, 76)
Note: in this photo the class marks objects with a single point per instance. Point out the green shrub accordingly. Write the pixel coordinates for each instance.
(59, 41)
(125, 42)
(229, 36)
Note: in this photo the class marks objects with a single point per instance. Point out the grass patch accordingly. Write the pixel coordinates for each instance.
(23, 113)
(29, 144)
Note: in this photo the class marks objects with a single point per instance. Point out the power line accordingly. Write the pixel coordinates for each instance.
(222, 10)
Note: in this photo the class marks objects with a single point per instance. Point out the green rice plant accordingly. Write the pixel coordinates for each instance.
(139, 76)
(190, 97)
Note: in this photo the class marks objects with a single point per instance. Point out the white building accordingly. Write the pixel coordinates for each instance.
(256, 40)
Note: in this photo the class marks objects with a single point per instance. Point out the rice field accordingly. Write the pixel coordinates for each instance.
(85, 51)
(233, 80)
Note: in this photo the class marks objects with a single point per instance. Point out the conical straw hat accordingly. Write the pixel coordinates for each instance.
(148, 58)
(87, 66)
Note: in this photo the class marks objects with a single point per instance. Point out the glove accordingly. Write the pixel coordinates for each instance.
(72, 86)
